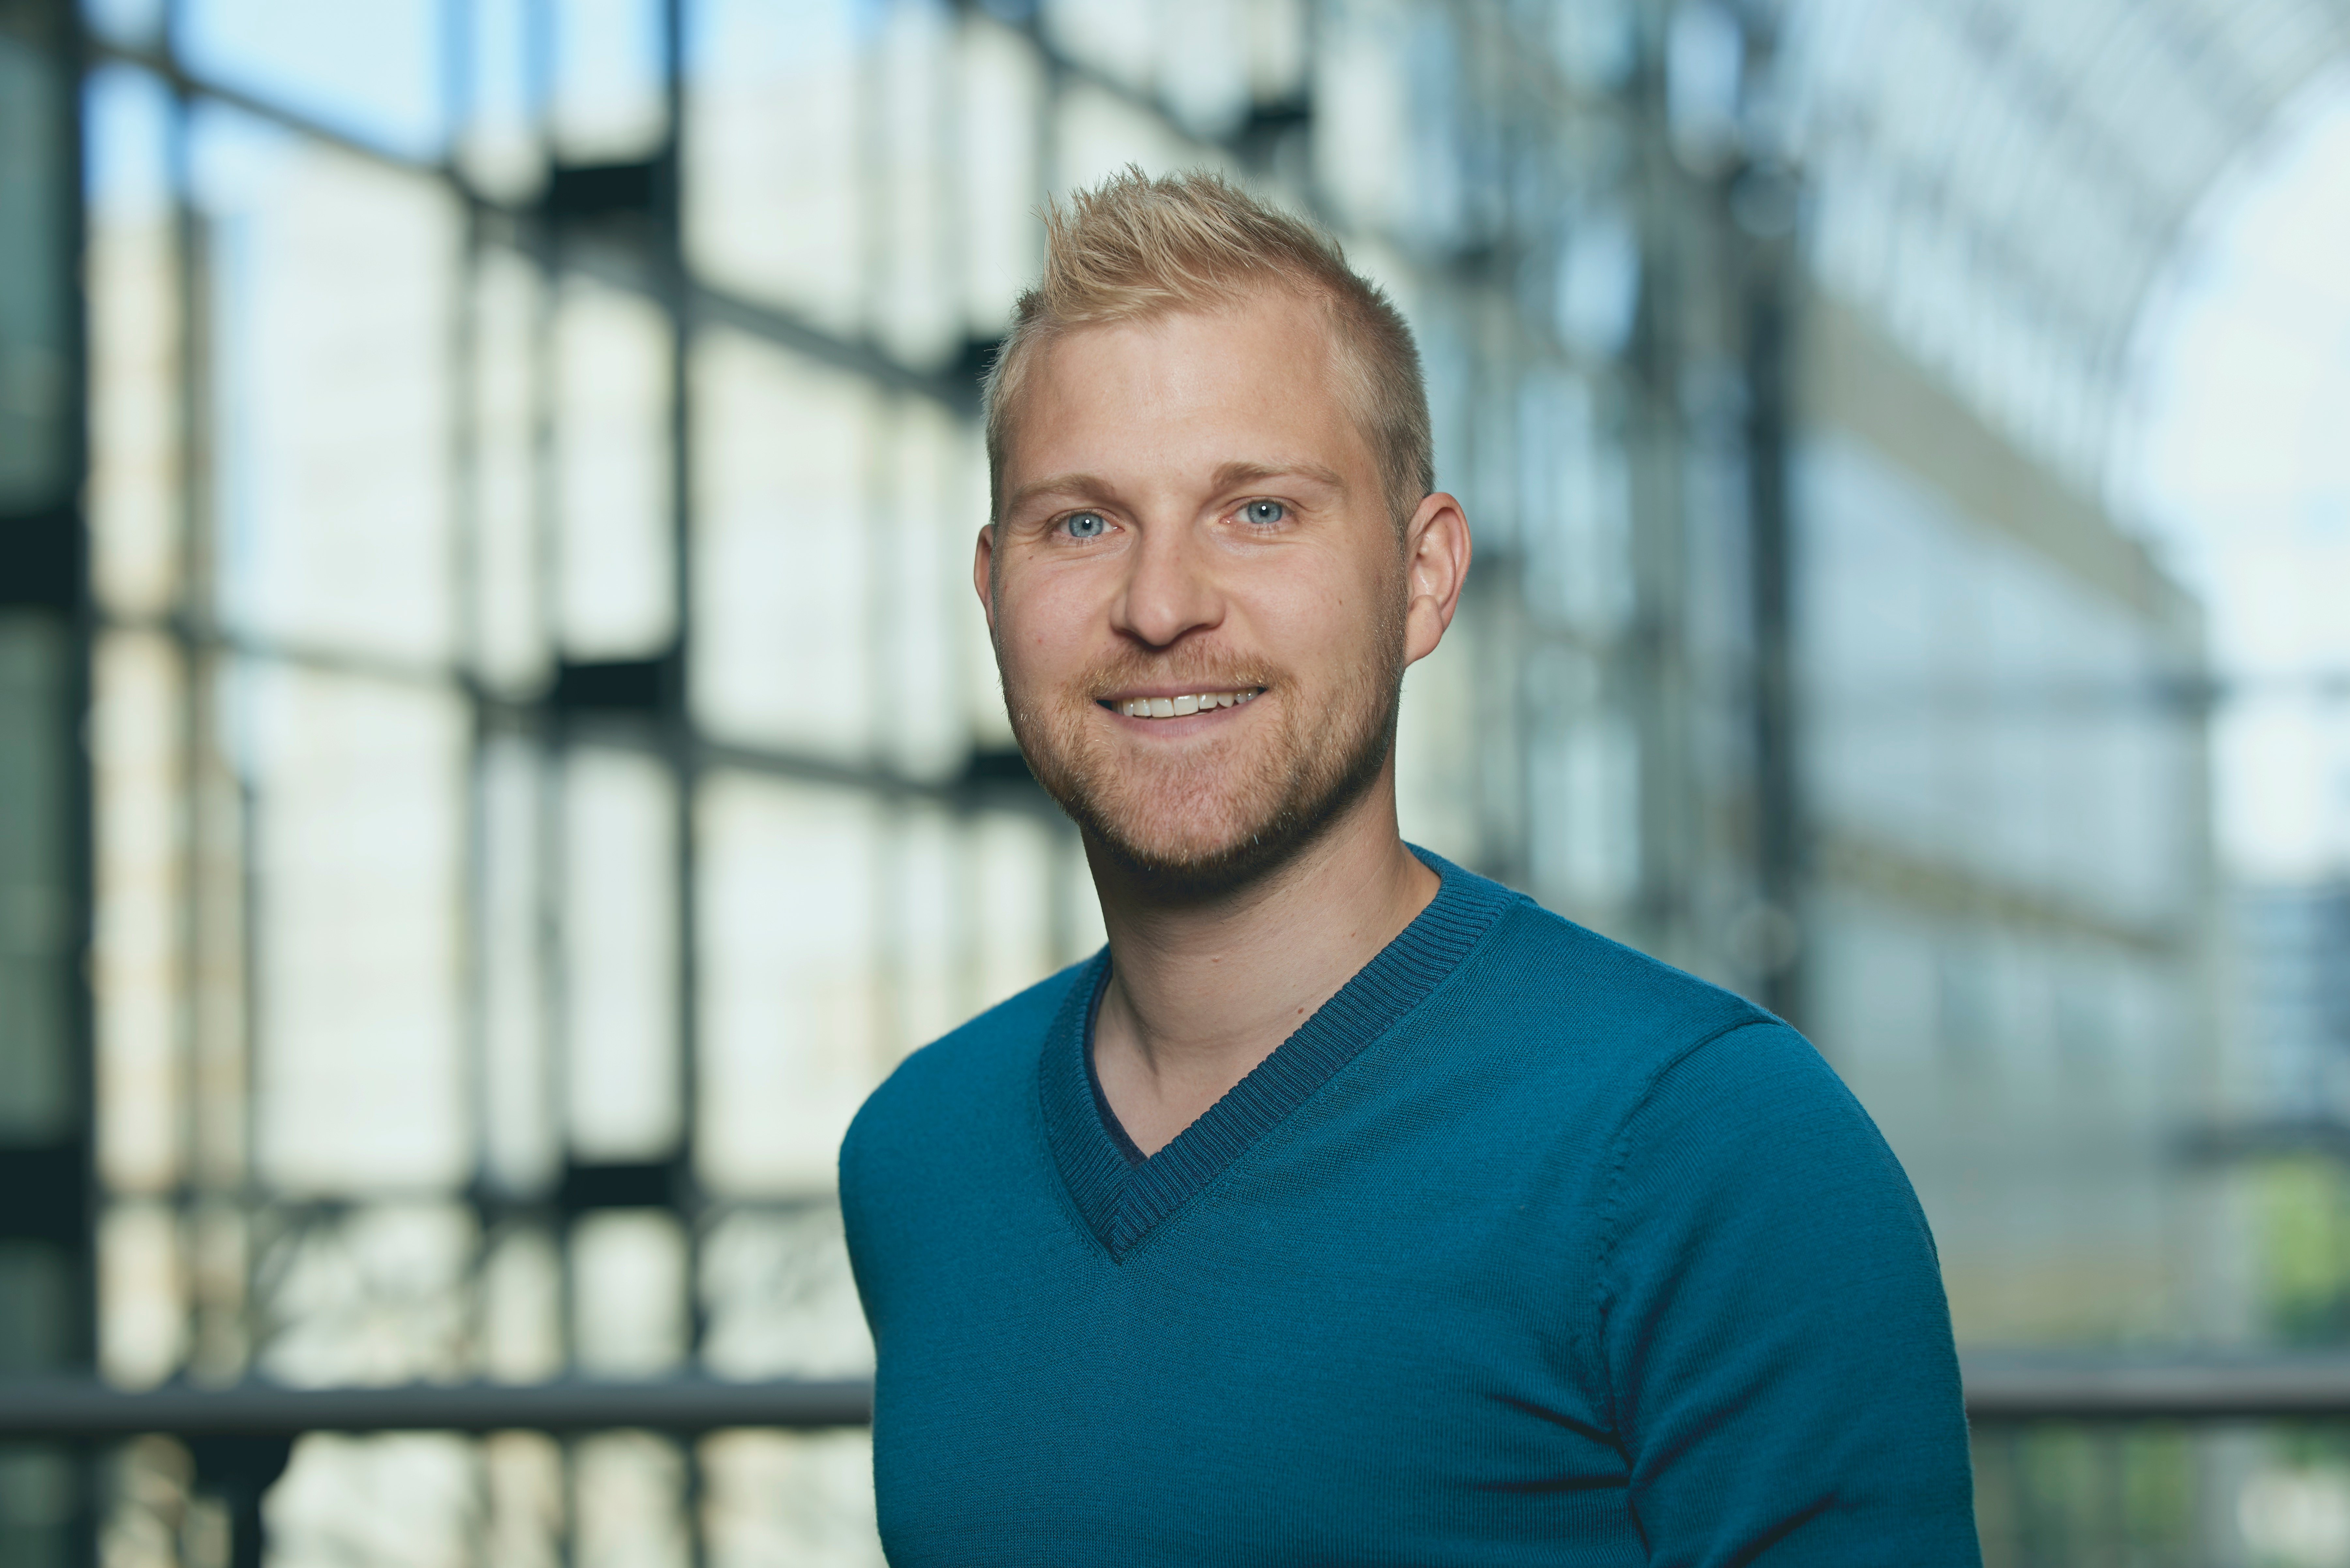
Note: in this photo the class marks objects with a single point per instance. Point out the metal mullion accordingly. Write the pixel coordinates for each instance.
(877, 213)
(677, 731)
(55, 38)
(1764, 282)
(548, 862)
(478, 918)
(219, 797)
(196, 676)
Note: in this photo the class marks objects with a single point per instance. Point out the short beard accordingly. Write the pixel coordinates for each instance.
(1163, 832)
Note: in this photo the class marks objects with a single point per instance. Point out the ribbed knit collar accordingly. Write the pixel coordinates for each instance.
(1124, 1201)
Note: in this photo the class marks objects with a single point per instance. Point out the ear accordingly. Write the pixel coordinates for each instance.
(982, 571)
(1435, 565)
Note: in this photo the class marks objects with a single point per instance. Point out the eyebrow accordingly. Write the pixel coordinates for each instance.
(1230, 476)
(1076, 486)
(1233, 475)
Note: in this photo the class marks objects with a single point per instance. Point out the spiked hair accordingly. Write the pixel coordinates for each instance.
(1133, 247)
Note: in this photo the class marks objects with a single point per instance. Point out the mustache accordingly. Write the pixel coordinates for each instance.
(1204, 673)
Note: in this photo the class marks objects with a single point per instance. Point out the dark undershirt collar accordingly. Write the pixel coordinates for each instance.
(1110, 1124)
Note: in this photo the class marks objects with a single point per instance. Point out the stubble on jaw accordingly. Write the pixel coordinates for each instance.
(1222, 815)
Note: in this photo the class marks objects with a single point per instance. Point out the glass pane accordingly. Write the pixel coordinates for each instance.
(522, 1497)
(372, 71)
(929, 512)
(619, 952)
(628, 1293)
(1085, 934)
(1001, 174)
(135, 24)
(522, 1330)
(776, 1497)
(502, 148)
(612, 409)
(630, 1492)
(1203, 59)
(358, 871)
(521, 1134)
(1096, 133)
(1438, 735)
(779, 1297)
(918, 304)
(404, 1497)
(373, 1294)
(143, 1286)
(135, 335)
(512, 635)
(334, 438)
(1584, 779)
(784, 643)
(790, 979)
(1016, 883)
(1119, 40)
(776, 207)
(139, 735)
(609, 103)
(928, 922)
(1362, 120)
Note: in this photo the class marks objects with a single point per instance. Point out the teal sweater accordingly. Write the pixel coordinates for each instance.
(1524, 1249)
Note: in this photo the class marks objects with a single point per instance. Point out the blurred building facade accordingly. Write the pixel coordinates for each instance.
(2292, 994)
(545, 760)
(2013, 909)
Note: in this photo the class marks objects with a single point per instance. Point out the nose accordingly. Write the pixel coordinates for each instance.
(1169, 590)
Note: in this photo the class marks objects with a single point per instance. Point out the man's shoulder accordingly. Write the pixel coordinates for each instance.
(961, 1080)
(1546, 980)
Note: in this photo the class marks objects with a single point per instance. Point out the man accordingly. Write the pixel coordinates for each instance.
(1349, 1207)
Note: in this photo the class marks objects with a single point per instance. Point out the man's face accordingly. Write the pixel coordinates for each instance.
(1198, 598)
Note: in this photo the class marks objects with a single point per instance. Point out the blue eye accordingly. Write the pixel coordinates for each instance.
(1264, 513)
(1085, 525)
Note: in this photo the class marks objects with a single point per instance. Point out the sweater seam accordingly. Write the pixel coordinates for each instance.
(1611, 1207)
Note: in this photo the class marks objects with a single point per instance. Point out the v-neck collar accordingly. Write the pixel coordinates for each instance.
(1124, 1200)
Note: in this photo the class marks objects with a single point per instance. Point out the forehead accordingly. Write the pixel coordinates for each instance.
(1189, 388)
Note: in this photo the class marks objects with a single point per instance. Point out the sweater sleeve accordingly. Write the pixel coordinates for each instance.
(1777, 1344)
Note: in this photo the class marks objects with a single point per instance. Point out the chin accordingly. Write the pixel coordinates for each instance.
(1212, 846)
(1207, 824)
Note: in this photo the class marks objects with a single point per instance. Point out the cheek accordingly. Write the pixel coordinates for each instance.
(1329, 615)
(1043, 627)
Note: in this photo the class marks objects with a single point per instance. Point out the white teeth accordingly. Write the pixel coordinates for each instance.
(1183, 707)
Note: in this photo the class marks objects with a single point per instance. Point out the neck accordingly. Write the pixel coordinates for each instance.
(1203, 989)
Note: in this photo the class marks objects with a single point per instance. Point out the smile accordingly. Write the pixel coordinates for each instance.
(1181, 707)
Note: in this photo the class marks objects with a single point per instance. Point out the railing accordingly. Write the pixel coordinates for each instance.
(1998, 1388)
(2251, 1387)
(61, 1409)
(240, 1436)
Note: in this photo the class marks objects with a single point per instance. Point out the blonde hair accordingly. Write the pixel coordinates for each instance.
(1134, 248)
